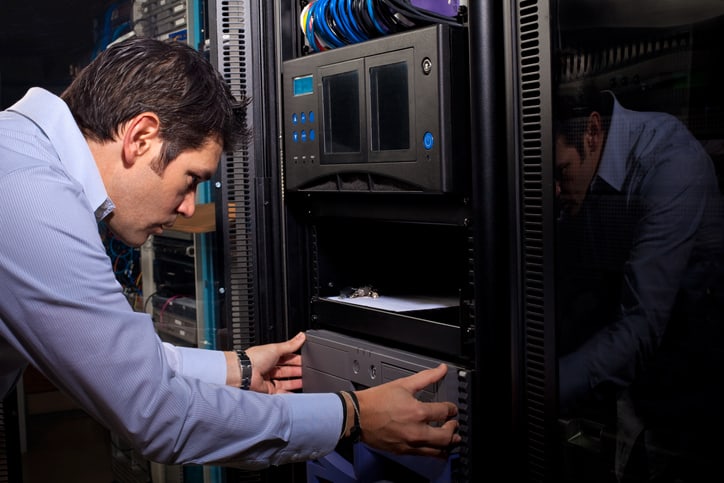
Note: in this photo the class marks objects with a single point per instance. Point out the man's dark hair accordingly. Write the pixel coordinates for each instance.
(168, 78)
(573, 109)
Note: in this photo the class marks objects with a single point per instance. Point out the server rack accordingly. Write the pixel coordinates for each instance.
(278, 246)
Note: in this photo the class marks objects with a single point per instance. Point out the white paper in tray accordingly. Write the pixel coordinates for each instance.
(407, 303)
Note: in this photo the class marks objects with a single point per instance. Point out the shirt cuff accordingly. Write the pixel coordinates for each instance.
(203, 364)
(313, 435)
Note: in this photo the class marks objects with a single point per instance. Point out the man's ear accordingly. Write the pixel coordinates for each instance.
(139, 136)
(593, 137)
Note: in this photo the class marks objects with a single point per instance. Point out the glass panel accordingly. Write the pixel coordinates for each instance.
(639, 127)
(341, 120)
(390, 107)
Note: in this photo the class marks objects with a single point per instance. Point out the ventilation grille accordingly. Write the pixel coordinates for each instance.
(232, 35)
(583, 62)
(532, 75)
(237, 183)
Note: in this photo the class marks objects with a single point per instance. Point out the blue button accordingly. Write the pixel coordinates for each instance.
(295, 136)
(294, 118)
(428, 140)
(304, 135)
(312, 134)
(303, 117)
(311, 116)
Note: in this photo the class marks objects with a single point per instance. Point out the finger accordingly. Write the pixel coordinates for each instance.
(435, 442)
(287, 385)
(290, 360)
(285, 372)
(439, 412)
(440, 436)
(422, 379)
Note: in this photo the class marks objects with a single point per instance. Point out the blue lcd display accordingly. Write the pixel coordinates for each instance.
(303, 85)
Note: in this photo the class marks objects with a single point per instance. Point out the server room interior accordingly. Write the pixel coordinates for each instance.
(40, 42)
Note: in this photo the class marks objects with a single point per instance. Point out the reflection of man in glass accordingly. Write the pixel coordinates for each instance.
(639, 268)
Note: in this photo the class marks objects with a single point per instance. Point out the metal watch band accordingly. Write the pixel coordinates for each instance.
(245, 368)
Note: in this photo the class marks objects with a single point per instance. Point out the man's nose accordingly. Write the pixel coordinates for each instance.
(188, 205)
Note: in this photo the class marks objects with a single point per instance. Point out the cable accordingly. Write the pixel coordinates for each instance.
(371, 12)
(421, 15)
(359, 11)
(320, 25)
(345, 20)
(352, 20)
(329, 24)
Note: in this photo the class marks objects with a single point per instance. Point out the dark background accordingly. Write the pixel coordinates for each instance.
(42, 42)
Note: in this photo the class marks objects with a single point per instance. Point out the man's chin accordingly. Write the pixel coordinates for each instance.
(569, 210)
(572, 210)
(134, 241)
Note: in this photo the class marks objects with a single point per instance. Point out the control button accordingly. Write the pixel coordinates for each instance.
(428, 140)
(304, 136)
(295, 136)
(303, 118)
(312, 134)
(295, 119)
(311, 116)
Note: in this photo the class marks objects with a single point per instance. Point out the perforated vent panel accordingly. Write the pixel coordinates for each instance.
(230, 47)
(536, 167)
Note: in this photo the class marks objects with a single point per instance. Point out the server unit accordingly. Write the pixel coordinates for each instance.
(393, 218)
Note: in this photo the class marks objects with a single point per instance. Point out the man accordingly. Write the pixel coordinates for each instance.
(127, 144)
(640, 276)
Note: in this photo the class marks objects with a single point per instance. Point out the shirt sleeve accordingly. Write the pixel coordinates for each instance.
(207, 365)
(65, 312)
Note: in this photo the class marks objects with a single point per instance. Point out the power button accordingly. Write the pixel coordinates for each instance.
(428, 140)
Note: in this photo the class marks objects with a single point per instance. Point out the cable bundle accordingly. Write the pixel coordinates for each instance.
(126, 261)
(328, 24)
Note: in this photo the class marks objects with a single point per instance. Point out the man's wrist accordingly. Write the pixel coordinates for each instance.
(245, 369)
(351, 428)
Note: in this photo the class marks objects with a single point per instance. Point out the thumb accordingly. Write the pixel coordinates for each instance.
(293, 344)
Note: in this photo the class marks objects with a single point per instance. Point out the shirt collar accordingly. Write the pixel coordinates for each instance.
(612, 168)
(52, 115)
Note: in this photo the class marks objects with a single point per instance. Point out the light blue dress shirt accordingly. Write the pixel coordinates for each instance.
(63, 311)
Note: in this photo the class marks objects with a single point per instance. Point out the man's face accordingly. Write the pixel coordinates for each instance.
(148, 202)
(575, 172)
(571, 178)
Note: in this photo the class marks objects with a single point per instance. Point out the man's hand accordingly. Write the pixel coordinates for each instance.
(392, 419)
(275, 367)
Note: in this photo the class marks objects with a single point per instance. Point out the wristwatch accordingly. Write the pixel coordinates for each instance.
(245, 369)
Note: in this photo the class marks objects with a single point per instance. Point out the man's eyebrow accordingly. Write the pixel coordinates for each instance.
(204, 175)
